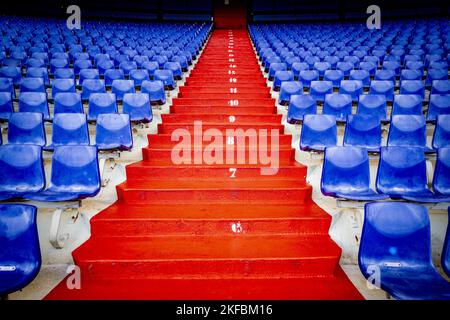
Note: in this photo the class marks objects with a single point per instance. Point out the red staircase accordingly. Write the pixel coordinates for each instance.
(194, 231)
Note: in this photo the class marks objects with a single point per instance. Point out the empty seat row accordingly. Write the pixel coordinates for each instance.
(402, 174)
(113, 131)
(137, 105)
(320, 131)
(341, 104)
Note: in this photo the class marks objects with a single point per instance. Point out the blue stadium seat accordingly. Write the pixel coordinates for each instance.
(408, 131)
(113, 132)
(438, 104)
(338, 105)
(402, 173)
(138, 76)
(362, 75)
(32, 85)
(407, 74)
(69, 129)
(155, 90)
(306, 76)
(137, 106)
(440, 87)
(68, 102)
(34, 102)
(318, 132)
(13, 73)
(445, 257)
(441, 137)
(57, 64)
(20, 256)
(412, 87)
(321, 88)
(396, 242)
(181, 60)
(297, 67)
(161, 60)
(21, 170)
(441, 178)
(322, 67)
(374, 105)
(436, 74)
(385, 75)
(300, 105)
(104, 65)
(7, 85)
(345, 67)
(127, 66)
(392, 65)
(274, 67)
(415, 66)
(63, 85)
(407, 104)
(86, 74)
(75, 175)
(352, 87)
(383, 87)
(151, 67)
(113, 74)
(287, 89)
(363, 131)
(39, 73)
(81, 65)
(335, 76)
(6, 105)
(370, 67)
(64, 73)
(166, 76)
(280, 77)
(101, 103)
(91, 86)
(346, 174)
(120, 87)
(35, 63)
(26, 128)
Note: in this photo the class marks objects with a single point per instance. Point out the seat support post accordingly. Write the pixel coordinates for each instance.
(57, 239)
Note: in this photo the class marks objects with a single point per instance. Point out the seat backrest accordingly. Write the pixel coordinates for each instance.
(101, 103)
(137, 106)
(6, 104)
(114, 132)
(445, 261)
(394, 235)
(70, 129)
(441, 179)
(400, 170)
(407, 104)
(34, 102)
(441, 137)
(76, 168)
(299, 105)
(21, 168)
(338, 105)
(345, 168)
(68, 102)
(407, 130)
(363, 131)
(318, 132)
(20, 255)
(26, 128)
(372, 104)
(438, 104)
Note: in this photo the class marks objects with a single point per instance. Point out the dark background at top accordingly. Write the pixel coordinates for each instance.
(157, 9)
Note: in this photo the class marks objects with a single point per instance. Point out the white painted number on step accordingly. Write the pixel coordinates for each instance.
(231, 72)
(233, 103)
(236, 227)
(233, 90)
(230, 60)
(232, 119)
(233, 80)
(233, 172)
(230, 140)
(232, 66)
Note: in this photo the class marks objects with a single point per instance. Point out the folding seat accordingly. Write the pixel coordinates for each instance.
(155, 90)
(161, 60)
(352, 59)
(101, 103)
(26, 128)
(335, 76)
(345, 67)
(113, 74)
(415, 65)
(346, 174)
(410, 75)
(436, 74)
(322, 67)
(311, 60)
(441, 136)
(32, 85)
(373, 105)
(68, 102)
(318, 132)
(175, 67)
(6, 105)
(88, 74)
(34, 102)
(33, 72)
(274, 67)
(101, 57)
(82, 65)
(385, 75)
(127, 66)
(91, 86)
(363, 131)
(440, 87)
(441, 178)
(166, 76)
(138, 76)
(352, 87)
(370, 67)
(137, 106)
(321, 88)
(20, 254)
(392, 65)
(332, 60)
(40, 56)
(181, 60)
(412, 87)
(62, 85)
(113, 132)
(307, 76)
(60, 55)
(57, 64)
(362, 75)
(338, 105)
(396, 241)
(300, 105)
(438, 104)
(13, 73)
(120, 87)
(280, 77)
(287, 89)
(151, 67)
(382, 87)
(407, 104)
(297, 67)
(75, 175)
(409, 131)
(69, 129)
(7, 85)
(10, 62)
(104, 65)
(64, 73)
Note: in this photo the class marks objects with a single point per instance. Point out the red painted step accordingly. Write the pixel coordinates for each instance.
(213, 231)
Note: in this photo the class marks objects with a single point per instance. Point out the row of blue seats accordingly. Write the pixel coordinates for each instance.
(137, 105)
(340, 104)
(395, 252)
(113, 130)
(320, 131)
(402, 174)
